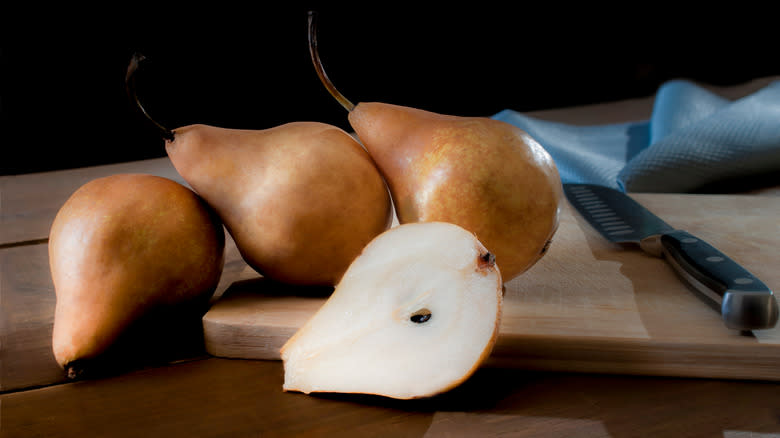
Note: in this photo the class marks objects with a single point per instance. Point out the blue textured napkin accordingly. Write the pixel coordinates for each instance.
(693, 138)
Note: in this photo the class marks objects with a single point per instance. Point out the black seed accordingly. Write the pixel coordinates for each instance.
(421, 316)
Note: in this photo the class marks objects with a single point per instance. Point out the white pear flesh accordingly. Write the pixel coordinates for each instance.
(415, 314)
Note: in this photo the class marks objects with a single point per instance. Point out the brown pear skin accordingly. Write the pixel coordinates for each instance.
(301, 200)
(485, 175)
(124, 246)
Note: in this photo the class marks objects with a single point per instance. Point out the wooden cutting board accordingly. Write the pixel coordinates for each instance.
(587, 306)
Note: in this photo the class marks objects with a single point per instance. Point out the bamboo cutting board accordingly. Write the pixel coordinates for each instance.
(587, 306)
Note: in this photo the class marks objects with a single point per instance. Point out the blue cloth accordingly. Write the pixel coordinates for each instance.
(693, 138)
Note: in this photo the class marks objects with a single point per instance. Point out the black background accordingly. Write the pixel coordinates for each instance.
(63, 102)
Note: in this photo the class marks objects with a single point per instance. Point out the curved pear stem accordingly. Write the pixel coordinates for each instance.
(135, 61)
(315, 57)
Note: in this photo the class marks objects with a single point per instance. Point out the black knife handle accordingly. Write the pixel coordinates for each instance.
(745, 302)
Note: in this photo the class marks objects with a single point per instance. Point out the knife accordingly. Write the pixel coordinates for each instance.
(744, 301)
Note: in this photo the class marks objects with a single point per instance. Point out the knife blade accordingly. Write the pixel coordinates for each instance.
(745, 302)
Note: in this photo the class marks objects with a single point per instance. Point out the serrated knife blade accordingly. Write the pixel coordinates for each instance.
(745, 302)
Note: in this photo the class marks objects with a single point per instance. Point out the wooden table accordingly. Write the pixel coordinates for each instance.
(185, 392)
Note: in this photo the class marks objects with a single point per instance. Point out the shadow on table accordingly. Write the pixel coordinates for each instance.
(159, 338)
(498, 401)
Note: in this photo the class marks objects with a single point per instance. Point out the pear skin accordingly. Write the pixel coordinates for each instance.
(124, 246)
(485, 175)
(301, 200)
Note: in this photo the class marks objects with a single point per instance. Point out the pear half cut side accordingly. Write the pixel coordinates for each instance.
(415, 315)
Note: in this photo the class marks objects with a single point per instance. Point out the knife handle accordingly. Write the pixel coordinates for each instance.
(745, 302)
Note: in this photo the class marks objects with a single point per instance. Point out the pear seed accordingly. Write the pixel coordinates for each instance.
(421, 316)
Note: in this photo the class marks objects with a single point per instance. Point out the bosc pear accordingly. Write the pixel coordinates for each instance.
(301, 200)
(414, 316)
(121, 248)
(485, 175)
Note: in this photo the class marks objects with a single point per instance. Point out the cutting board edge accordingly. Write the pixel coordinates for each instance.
(246, 341)
(625, 356)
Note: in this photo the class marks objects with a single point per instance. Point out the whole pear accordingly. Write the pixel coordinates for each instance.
(300, 200)
(123, 246)
(485, 175)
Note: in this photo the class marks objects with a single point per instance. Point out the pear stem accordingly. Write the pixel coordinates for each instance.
(315, 57)
(135, 61)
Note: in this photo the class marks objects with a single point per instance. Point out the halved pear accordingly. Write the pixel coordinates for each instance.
(413, 316)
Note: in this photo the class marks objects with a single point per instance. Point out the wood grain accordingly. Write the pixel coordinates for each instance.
(28, 203)
(588, 306)
(230, 398)
(27, 313)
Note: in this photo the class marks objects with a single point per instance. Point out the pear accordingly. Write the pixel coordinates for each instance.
(485, 175)
(414, 316)
(122, 247)
(301, 200)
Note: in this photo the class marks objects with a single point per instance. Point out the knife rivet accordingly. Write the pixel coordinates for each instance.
(743, 280)
(714, 259)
